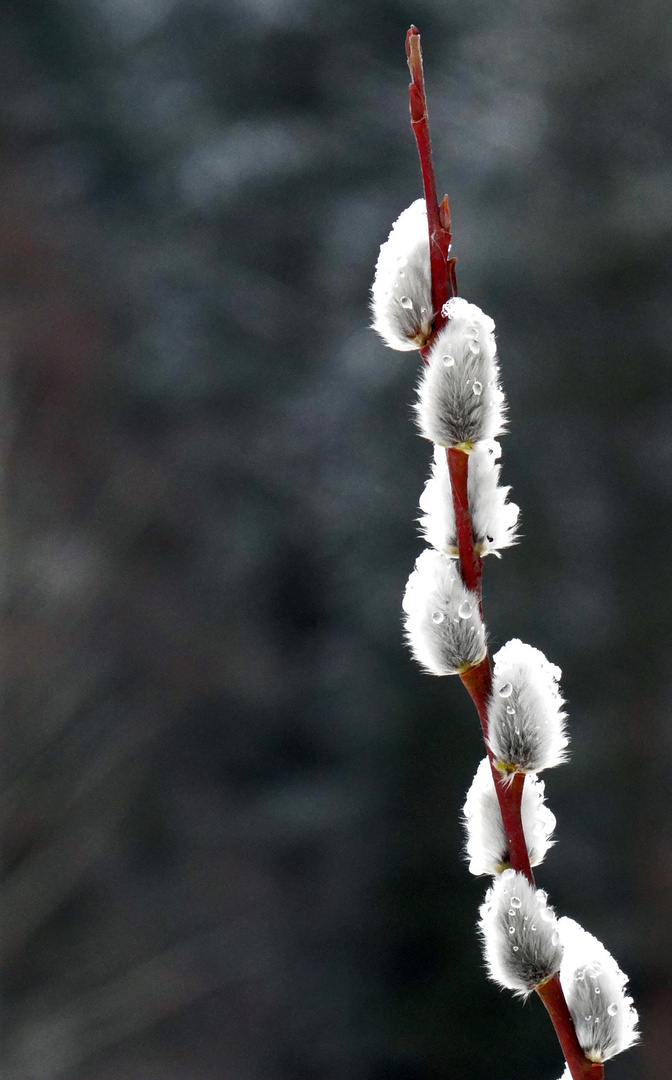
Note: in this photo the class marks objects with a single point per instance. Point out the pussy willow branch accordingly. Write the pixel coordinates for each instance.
(478, 680)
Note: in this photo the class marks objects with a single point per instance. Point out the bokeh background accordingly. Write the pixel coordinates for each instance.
(231, 802)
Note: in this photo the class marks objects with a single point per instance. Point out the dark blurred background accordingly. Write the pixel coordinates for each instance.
(231, 802)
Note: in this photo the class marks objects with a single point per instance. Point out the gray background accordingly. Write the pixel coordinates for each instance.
(231, 802)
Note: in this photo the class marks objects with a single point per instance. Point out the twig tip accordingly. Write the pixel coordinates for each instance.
(413, 53)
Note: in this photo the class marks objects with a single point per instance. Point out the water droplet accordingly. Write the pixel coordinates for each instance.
(517, 730)
(512, 929)
(589, 1016)
(506, 690)
(511, 911)
(555, 937)
(579, 975)
(423, 310)
(533, 926)
(478, 387)
(464, 610)
(509, 873)
(516, 901)
(546, 914)
(437, 617)
(402, 274)
(448, 360)
(515, 948)
(473, 346)
(510, 710)
(406, 303)
(597, 990)
(612, 1009)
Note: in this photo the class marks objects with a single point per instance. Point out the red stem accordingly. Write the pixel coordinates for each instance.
(478, 682)
(471, 564)
(580, 1067)
(444, 283)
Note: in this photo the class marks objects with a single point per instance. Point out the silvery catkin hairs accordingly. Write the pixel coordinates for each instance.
(401, 295)
(486, 845)
(595, 988)
(526, 722)
(466, 515)
(493, 517)
(444, 628)
(460, 402)
(521, 941)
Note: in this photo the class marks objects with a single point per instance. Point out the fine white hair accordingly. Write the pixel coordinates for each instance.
(460, 401)
(595, 990)
(526, 721)
(401, 295)
(443, 622)
(486, 845)
(520, 934)
(493, 519)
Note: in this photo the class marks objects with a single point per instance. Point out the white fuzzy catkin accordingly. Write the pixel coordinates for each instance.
(443, 624)
(459, 397)
(526, 721)
(486, 845)
(595, 989)
(493, 519)
(520, 934)
(401, 295)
